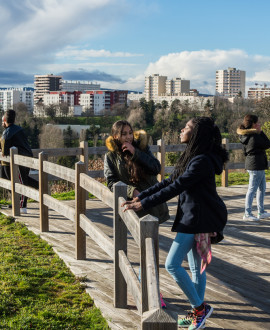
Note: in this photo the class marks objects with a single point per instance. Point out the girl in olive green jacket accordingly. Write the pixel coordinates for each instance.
(130, 160)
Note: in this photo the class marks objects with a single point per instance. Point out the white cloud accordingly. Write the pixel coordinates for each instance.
(200, 66)
(37, 30)
(84, 54)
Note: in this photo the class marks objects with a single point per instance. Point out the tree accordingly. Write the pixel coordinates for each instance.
(64, 109)
(22, 113)
(50, 111)
(51, 137)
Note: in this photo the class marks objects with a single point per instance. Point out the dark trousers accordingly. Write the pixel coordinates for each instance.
(24, 178)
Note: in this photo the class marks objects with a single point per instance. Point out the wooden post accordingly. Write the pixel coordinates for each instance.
(43, 189)
(84, 159)
(120, 243)
(14, 178)
(161, 158)
(225, 173)
(148, 228)
(80, 207)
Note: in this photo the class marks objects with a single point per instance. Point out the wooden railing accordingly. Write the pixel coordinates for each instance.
(144, 231)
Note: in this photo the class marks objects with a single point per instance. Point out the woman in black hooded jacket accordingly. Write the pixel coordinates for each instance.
(255, 142)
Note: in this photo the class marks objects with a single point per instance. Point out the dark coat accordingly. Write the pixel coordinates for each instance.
(254, 145)
(13, 136)
(200, 209)
(115, 170)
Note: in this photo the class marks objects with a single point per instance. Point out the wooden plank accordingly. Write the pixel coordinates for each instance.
(14, 177)
(58, 152)
(152, 275)
(43, 190)
(60, 207)
(80, 207)
(5, 158)
(169, 169)
(175, 147)
(4, 183)
(101, 239)
(159, 319)
(27, 191)
(131, 279)
(148, 228)
(26, 161)
(120, 243)
(97, 189)
(59, 171)
(97, 150)
(131, 220)
(154, 148)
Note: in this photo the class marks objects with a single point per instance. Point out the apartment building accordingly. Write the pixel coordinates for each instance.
(11, 96)
(177, 86)
(231, 82)
(156, 85)
(258, 93)
(83, 86)
(44, 84)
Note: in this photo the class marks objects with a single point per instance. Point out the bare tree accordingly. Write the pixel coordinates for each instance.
(22, 113)
(51, 137)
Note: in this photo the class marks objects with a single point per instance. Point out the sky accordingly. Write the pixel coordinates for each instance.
(118, 42)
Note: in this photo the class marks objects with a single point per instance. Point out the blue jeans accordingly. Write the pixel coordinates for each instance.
(184, 244)
(257, 184)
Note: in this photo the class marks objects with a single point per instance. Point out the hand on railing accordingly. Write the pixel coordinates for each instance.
(133, 205)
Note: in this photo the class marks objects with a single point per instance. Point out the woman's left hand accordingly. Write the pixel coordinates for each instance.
(137, 206)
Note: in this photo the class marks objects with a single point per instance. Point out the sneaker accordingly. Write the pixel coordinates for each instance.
(199, 317)
(23, 210)
(263, 215)
(250, 217)
(163, 305)
(186, 321)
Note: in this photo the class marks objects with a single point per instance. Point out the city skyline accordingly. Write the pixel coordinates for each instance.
(118, 42)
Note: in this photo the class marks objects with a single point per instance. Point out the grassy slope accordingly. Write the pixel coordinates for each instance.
(37, 290)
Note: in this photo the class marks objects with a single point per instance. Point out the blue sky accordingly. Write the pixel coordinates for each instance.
(118, 42)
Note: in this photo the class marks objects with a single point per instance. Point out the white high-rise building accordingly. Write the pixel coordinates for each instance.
(154, 85)
(11, 96)
(44, 84)
(258, 93)
(177, 86)
(231, 82)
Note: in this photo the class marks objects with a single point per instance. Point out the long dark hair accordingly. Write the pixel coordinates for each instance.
(136, 172)
(205, 138)
(248, 121)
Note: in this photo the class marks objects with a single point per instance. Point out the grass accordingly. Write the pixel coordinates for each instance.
(69, 195)
(37, 290)
(239, 178)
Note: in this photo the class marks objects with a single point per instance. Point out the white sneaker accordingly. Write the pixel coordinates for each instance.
(263, 215)
(250, 217)
(23, 210)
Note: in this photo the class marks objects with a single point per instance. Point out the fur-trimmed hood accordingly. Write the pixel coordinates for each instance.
(248, 131)
(140, 141)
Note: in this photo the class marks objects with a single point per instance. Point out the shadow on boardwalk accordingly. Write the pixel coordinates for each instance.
(238, 284)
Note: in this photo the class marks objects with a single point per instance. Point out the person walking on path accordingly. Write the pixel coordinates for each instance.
(200, 215)
(13, 136)
(130, 160)
(255, 142)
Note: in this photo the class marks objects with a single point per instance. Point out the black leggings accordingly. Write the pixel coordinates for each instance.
(24, 178)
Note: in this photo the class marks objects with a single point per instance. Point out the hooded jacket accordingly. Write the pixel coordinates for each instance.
(200, 209)
(115, 170)
(13, 136)
(254, 145)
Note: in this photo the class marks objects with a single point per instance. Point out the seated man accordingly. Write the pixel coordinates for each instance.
(13, 136)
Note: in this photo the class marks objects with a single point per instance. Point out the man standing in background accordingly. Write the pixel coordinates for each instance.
(13, 136)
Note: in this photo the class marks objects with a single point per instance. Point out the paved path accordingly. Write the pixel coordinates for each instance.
(238, 284)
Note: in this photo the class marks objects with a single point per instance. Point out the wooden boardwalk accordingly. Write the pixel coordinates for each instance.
(238, 284)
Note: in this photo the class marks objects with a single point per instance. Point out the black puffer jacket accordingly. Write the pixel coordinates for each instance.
(254, 145)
